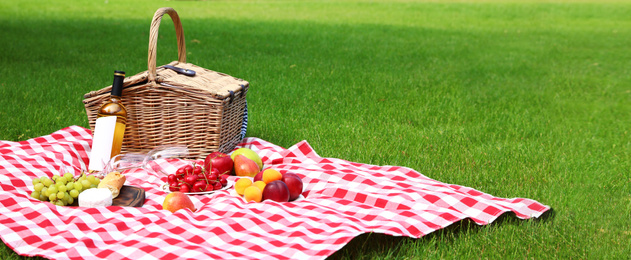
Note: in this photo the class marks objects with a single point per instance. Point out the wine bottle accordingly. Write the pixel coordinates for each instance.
(115, 107)
(109, 127)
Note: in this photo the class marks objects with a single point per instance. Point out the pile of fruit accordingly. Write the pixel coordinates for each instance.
(270, 184)
(256, 184)
(266, 183)
(62, 190)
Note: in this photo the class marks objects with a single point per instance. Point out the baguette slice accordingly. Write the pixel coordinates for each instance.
(114, 182)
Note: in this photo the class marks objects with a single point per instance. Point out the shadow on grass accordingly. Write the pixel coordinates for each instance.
(377, 245)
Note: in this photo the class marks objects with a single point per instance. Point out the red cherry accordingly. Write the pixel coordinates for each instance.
(223, 182)
(184, 188)
(218, 186)
(188, 169)
(199, 186)
(173, 188)
(197, 170)
(190, 179)
(172, 178)
(209, 187)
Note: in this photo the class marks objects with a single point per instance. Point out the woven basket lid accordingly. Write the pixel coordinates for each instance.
(216, 84)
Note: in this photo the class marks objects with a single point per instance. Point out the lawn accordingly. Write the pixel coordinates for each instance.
(514, 98)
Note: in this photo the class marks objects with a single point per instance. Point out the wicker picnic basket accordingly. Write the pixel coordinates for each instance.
(205, 112)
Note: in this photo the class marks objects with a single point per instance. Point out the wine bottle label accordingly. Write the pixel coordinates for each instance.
(102, 143)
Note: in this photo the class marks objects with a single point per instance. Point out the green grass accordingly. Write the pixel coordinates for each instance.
(514, 98)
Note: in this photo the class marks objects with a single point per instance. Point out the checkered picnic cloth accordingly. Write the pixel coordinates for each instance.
(342, 199)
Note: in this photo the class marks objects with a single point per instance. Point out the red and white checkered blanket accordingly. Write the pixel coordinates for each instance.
(342, 199)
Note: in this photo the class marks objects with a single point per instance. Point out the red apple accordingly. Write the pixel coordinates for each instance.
(176, 201)
(245, 167)
(294, 184)
(276, 191)
(220, 161)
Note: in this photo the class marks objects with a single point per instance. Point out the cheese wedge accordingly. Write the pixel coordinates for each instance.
(95, 198)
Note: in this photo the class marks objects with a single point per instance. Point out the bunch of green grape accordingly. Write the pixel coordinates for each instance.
(62, 190)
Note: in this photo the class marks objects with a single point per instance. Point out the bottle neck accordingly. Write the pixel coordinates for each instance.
(117, 85)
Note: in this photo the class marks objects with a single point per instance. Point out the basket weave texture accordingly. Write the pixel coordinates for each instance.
(204, 112)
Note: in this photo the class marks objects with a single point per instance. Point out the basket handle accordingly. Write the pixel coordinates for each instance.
(153, 39)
